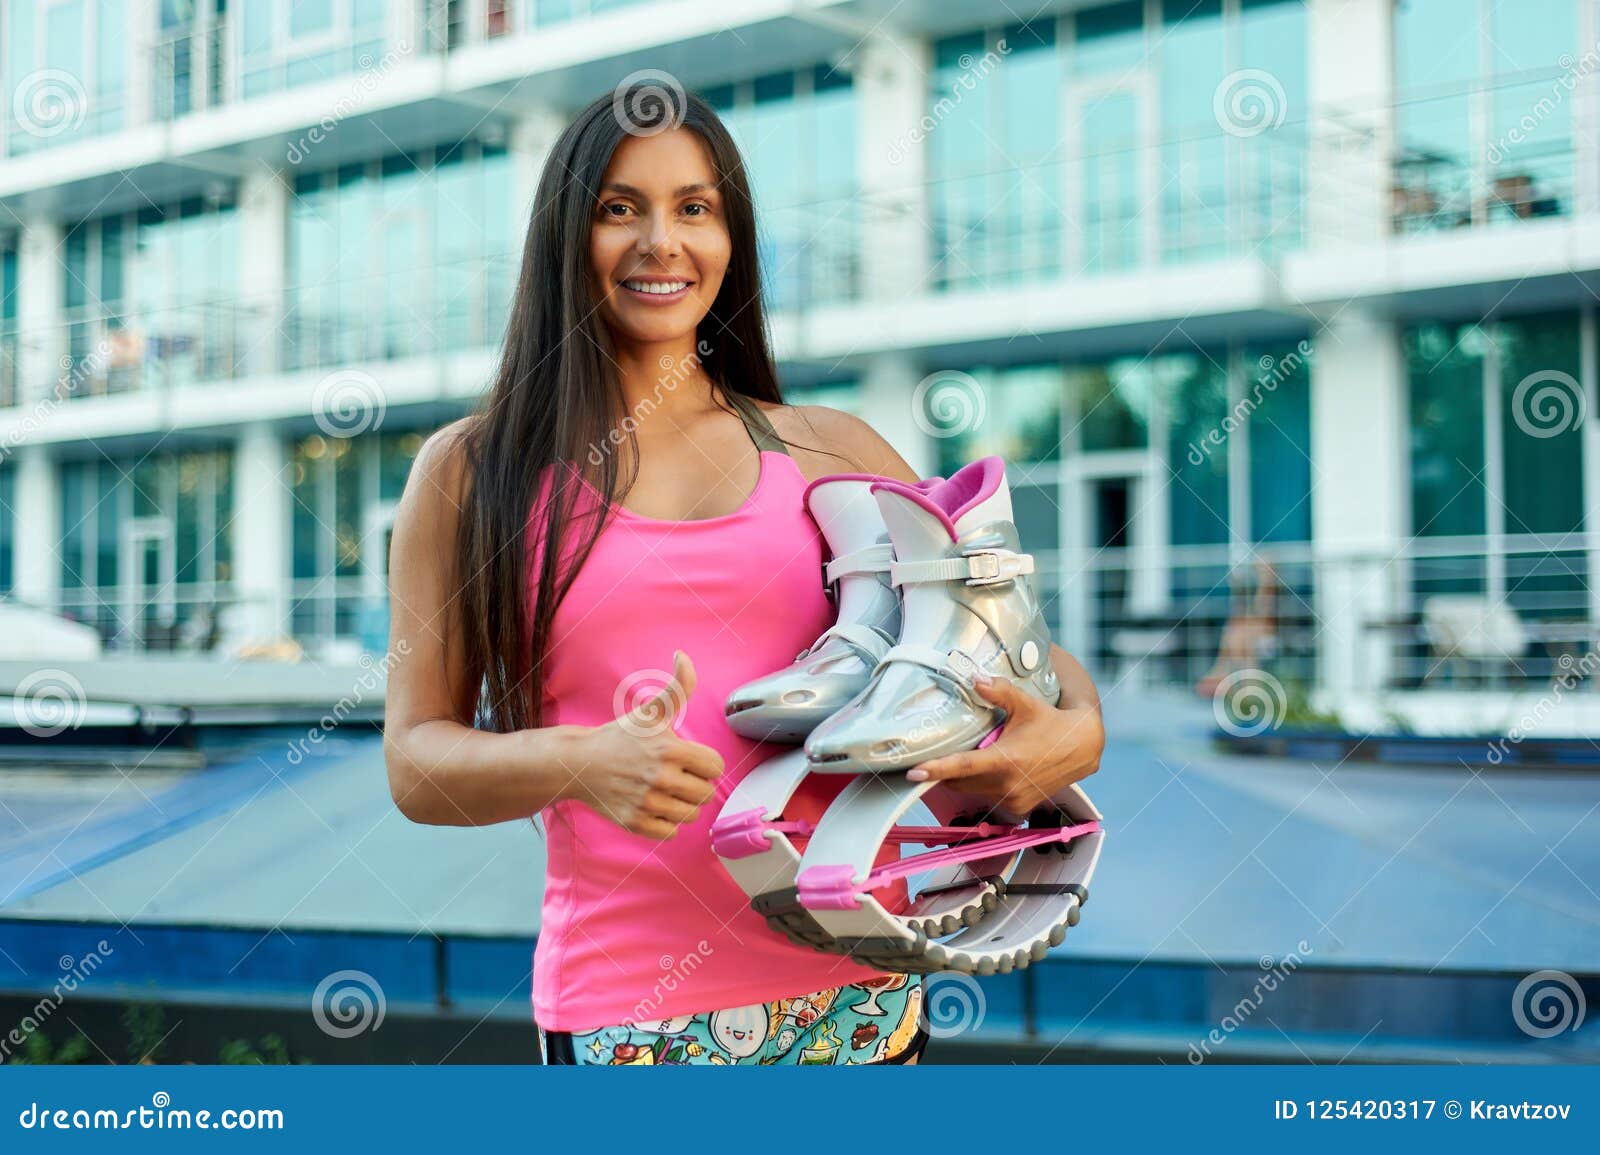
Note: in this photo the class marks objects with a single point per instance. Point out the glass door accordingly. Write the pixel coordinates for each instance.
(146, 571)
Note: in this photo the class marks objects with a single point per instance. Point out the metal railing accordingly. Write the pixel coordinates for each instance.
(1451, 171)
(154, 349)
(464, 307)
(1440, 613)
(179, 617)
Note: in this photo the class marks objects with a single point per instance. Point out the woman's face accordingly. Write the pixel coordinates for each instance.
(659, 244)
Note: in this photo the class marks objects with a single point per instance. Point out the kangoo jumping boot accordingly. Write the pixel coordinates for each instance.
(788, 705)
(760, 844)
(966, 605)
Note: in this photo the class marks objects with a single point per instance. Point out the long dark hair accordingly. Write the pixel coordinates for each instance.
(556, 395)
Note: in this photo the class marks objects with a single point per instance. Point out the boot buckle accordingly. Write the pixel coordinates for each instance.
(987, 566)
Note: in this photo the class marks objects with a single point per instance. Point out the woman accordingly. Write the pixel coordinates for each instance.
(636, 422)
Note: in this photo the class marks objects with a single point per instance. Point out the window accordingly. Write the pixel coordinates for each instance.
(10, 339)
(146, 545)
(1485, 93)
(8, 529)
(407, 255)
(287, 43)
(149, 297)
(1496, 455)
(796, 132)
(344, 492)
(1447, 450)
(66, 63)
(1014, 412)
(993, 156)
(1107, 141)
(1275, 401)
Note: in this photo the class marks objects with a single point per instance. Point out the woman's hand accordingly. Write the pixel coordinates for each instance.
(1041, 748)
(637, 772)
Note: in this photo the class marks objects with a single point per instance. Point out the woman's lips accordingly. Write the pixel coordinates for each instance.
(657, 297)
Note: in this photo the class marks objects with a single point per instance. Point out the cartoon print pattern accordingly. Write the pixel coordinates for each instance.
(869, 1022)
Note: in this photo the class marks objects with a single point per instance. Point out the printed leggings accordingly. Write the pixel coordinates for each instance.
(877, 1021)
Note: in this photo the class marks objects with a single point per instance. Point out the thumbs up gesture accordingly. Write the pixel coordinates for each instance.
(636, 770)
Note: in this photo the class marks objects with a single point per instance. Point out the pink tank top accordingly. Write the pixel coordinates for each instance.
(635, 928)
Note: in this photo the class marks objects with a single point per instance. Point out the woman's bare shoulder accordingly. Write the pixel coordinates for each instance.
(824, 441)
(439, 473)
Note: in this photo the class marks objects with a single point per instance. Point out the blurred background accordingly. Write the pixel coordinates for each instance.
(1282, 313)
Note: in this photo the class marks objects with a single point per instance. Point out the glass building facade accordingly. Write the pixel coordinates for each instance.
(1081, 203)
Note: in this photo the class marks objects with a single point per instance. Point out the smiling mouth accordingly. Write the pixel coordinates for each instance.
(657, 288)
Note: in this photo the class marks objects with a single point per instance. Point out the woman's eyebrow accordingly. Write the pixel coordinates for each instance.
(680, 191)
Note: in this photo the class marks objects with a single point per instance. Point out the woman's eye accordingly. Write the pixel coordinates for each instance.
(704, 208)
(611, 209)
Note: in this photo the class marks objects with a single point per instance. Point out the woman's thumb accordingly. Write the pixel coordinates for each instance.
(683, 674)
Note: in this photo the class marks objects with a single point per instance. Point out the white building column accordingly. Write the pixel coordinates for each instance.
(889, 404)
(1351, 122)
(1360, 496)
(264, 252)
(41, 274)
(406, 20)
(531, 138)
(891, 84)
(143, 24)
(36, 520)
(262, 537)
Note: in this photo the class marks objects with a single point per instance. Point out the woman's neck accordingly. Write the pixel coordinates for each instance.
(659, 379)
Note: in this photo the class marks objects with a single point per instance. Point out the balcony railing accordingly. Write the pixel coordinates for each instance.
(384, 318)
(1443, 613)
(148, 349)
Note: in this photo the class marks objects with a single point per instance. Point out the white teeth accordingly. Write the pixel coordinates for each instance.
(657, 287)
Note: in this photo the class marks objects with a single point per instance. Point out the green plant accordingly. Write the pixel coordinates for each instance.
(146, 1024)
(1298, 711)
(272, 1052)
(36, 1051)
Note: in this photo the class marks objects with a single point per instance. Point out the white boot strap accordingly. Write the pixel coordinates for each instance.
(976, 567)
(954, 664)
(871, 644)
(872, 559)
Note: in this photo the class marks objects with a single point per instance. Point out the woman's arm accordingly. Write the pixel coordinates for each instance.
(443, 771)
(1042, 748)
